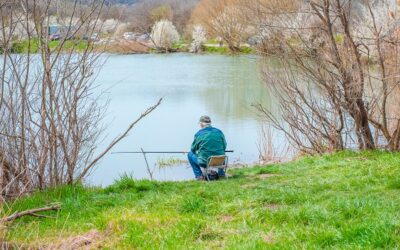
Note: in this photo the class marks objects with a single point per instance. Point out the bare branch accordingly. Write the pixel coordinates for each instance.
(118, 139)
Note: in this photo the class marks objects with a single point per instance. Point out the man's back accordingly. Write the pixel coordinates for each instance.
(207, 142)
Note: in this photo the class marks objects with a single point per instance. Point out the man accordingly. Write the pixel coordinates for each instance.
(208, 141)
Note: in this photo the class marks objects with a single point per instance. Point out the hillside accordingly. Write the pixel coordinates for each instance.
(125, 1)
(346, 200)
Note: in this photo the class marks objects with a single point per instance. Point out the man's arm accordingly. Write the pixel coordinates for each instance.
(224, 141)
(193, 148)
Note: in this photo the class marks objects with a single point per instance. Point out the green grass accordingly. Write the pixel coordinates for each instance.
(179, 46)
(170, 162)
(32, 46)
(341, 201)
(216, 49)
(247, 50)
(225, 50)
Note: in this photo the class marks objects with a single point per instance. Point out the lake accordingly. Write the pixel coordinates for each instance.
(223, 87)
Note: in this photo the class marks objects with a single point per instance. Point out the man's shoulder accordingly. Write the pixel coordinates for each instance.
(208, 130)
(216, 130)
(200, 132)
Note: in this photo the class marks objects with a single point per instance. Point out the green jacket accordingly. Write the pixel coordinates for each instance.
(207, 142)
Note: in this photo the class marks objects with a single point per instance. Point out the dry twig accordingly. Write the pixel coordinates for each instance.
(32, 212)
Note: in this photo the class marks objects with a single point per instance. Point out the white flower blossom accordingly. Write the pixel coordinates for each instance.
(199, 37)
(164, 34)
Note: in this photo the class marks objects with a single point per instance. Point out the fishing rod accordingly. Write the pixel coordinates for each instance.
(158, 152)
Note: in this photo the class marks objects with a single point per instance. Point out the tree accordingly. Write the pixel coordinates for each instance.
(177, 11)
(199, 37)
(164, 35)
(330, 99)
(162, 12)
(50, 114)
(222, 18)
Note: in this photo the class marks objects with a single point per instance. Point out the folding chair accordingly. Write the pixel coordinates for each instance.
(216, 162)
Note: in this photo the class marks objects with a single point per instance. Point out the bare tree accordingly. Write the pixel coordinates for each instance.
(145, 13)
(331, 94)
(50, 113)
(222, 18)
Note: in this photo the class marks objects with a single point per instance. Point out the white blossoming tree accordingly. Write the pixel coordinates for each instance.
(164, 35)
(199, 37)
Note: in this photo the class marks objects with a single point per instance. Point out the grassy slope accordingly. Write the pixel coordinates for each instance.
(345, 200)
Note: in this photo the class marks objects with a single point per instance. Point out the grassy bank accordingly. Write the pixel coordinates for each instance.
(32, 46)
(346, 200)
(226, 51)
(121, 47)
(212, 47)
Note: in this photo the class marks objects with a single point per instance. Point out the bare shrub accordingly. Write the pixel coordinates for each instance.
(162, 12)
(222, 18)
(50, 114)
(144, 13)
(334, 87)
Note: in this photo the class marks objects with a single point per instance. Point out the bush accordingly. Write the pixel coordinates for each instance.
(164, 35)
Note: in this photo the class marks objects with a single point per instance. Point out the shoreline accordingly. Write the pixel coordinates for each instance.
(124, 47)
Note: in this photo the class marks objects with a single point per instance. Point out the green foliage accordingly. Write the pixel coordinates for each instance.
(339, 38)
(212, 41)
(32, 46)
(25, 46)
(246, 50)
(127, 183)
(181, 46)
(216, 49)
(77, 45)
(193, 204)
(225, 50)
(343, 201)
(170, 162)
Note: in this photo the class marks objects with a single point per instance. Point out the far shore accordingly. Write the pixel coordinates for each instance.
(122, 46)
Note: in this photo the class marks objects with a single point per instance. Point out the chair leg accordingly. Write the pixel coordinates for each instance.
(207, 177)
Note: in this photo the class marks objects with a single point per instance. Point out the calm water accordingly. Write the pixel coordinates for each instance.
(222, 87)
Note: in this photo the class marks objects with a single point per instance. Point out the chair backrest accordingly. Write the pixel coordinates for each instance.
(217, 161)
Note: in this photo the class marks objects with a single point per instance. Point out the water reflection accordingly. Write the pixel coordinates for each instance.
(235, 84)
(223, 87)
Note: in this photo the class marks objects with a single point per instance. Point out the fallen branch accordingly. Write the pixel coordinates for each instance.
(117, 139)
(32, 212)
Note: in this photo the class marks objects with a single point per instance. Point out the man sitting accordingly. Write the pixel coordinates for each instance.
(208, 141)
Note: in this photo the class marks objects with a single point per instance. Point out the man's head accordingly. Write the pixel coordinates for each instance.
(205, 121)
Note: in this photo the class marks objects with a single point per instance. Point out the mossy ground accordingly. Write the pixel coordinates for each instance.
(341, 201)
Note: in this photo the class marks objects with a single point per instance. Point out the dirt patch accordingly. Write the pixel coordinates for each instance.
(90, 240)
(272, 207)
(358, 158)
(269, 237)
(126, 47)
(226, 218)
(252, 185)
(237, 165)
(10, 245)
(266, 176)
(148, 221)
(262, 176)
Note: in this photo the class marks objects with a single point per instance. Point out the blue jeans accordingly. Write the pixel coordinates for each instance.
(194, 162)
